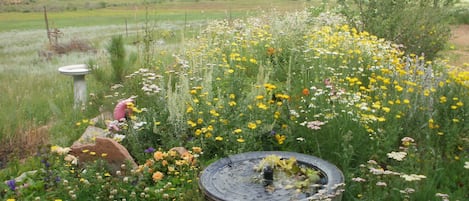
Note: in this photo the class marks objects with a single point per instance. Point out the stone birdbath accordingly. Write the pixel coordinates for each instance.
(78, 72)
(234, 178)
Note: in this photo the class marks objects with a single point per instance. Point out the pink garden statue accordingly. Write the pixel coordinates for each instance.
(122, 110)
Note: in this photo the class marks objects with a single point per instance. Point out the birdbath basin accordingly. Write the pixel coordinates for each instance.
(78, 72)
(231, 179)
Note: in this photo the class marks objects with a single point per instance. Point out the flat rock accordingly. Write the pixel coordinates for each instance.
(103, 148)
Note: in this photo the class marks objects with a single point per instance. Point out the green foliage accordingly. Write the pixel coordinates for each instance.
(460, 15)
(420, 26)
(117, 57)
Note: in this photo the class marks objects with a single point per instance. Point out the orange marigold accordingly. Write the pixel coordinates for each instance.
(157, 176)
(158, 155)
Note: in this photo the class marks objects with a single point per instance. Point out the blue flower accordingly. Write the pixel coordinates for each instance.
(12, 184)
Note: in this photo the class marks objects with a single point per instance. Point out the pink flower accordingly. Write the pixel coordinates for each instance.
(315, 125)
(121, 111)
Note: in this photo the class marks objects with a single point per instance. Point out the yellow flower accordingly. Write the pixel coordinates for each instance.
(269, 87)
(236, 131)
(107, 174)
(85, 150)
(54, 148)
(252, 125)
(103, 155)
(214, 113)
(398, 88)
(93, 153)
(386, 109)
(426, 92)
(197, 150)
(191, 123)
(443, 99)
(219, 138)
(232, 96)
(240, 140)
(262, 106)
(280, 138)
(189, 109)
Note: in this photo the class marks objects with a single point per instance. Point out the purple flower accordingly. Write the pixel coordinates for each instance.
(12, 184)
(149, 150)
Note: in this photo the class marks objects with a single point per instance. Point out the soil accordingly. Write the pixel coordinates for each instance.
(460, 40)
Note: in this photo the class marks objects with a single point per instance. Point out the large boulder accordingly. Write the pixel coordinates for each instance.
(103, 148)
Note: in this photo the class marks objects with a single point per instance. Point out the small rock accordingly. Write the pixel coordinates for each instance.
(90, 134)
(103, 119)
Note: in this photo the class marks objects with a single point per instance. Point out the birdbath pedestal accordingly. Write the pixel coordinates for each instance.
(78, 72)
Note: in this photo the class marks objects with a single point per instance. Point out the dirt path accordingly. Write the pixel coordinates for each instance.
(460, 41)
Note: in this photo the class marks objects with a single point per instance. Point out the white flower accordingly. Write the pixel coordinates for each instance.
(300, 139)
(139, 125)
(381, 183)
(444, 197)
(407, 191)
(358, 179)
(118, 137)
(399, 156)
(413, 177)
(466, 165)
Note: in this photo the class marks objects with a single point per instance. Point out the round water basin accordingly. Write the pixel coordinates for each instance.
(231, 179)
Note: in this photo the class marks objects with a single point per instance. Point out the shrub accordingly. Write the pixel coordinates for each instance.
(421, 27)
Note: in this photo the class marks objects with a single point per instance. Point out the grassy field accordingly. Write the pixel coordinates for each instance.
(135, 13)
